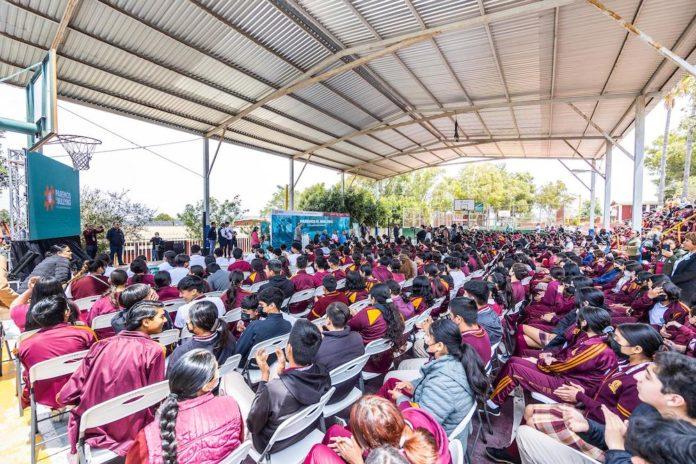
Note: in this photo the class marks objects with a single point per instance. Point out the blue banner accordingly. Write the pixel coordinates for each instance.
(283, 225)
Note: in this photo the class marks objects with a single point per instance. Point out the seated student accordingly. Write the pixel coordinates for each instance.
(321, 268)
(331, 295)
(635, 345)
(258, 273)
(335, 267)
(552, 297)
(192, 290)
(209, 332)
(163, 286)
(117, 365)
(405, 308)
(583, 362)
(169, 262)
(679, 336)
(192, 424)
(56, 337)
(421, 294)
(128, 298)
(395, 268)
(141, 274)
(355, 287)
(366, 274)
(518, 272)
(448, 385)
(299, 384)
(376, 422)
(250, 312)
(109, 302)
(625, 288)
(272, 325)
(301, 280)
(234, 295)
(380, 319)
(218, 279)
(658, 441)
(197, 259)
(381, 272)
(439, 285)
(339, 346)
(487, 318)
(386, 454)
(38, 289)
(220, 259)
(668, 306)
(454, 265)
(666, 389)
(610, 273)
(276, 279)
(92, 283)
(181, 268)
(238, 263)
(464, 313)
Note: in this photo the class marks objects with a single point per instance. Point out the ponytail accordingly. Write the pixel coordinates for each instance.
(236, 279)
(223, 336)
(420, 447)
(390, 313)
(167, 420)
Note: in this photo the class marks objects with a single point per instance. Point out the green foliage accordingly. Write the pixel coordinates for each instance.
(163, 217)
(228, 210)
(277, 201)
(553, 195)
(585, 209)
(103, 208)
(679, 186)
(359, 202)
(674, 169)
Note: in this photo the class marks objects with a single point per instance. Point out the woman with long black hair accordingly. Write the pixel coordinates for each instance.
(355, 287)
(209, 333)
(233, 296)
(449, 384)
(421, 294)
(39, 289)
(192, 425)
(380, 319)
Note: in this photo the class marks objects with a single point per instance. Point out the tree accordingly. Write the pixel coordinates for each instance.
(691, 193)
(553, 195)
(585, 209)
(103, 208)
(228, 210)
(674, 169)
(359, 203)
(277, 201)
(163, 217)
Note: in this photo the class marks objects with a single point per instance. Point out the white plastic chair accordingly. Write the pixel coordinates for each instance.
(172, 306)
(358, 305)
(456, 452)
(463, 424)
(341, 374)
(18, 369)
(299, 297)
(46, 370)
(215, 293)
(233, 315)
(113, 410)
(319, 291)
(253, 376)
(83, 304)
(340, 283)
(543, 398)
(372, 348)
(238, 455)
(290, 427)
(166, 337)
(103, 321)
(321, 321)
(256, 286)
(230, 364)
(407, 283)
(424, 315)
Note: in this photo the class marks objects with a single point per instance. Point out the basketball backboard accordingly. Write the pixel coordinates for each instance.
(42, 102)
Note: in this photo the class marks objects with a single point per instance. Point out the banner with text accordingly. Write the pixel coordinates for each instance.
(53, 191)
(283, 224)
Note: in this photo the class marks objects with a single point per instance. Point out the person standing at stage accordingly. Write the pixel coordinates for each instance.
(211, 237)
(157, 243)
(116, 241)
(90, 235)
(297, 236)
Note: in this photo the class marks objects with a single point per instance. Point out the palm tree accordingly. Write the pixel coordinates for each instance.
(689, 86)
(670, 98)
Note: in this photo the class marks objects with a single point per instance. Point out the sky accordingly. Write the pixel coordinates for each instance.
(253, 175)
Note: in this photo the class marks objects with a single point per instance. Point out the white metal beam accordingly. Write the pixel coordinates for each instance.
(637, 207)
(384, 47)
(592, 166)
(606, 215)
(609, 138)
(574, 175)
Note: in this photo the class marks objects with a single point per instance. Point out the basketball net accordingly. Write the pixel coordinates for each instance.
(79, 147)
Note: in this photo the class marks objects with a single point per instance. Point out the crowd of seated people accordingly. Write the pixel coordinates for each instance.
(589, 335)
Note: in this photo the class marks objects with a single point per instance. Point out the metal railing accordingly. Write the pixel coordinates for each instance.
(135, 248)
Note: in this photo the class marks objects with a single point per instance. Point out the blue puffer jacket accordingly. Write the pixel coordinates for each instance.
(443, 391)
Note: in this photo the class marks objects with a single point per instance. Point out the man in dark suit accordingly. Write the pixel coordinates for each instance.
(684, 271)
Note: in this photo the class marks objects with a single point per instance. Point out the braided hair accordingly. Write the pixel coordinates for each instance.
(395, 323)
(187, 377)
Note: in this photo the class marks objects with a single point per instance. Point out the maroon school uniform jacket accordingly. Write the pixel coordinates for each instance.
(103, 305)
(168, 293)
(89, 285)
(371, 326)
(114, 366)
(239, 265)
(144, 279)
(338, 274)
(676, 311)
(381, 273)
(355, 296)
(302, 280)
(682, 335)
(240, 294)
(319, 307)
(518, 292)
(319, 277)
(398, 277)
(45, 344)
(584, 363)
(478, 339)
(617, 392)
(255, 277)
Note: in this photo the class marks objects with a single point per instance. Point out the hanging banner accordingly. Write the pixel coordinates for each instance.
(283, 224)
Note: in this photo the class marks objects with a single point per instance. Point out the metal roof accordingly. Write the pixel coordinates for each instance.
(507, 71)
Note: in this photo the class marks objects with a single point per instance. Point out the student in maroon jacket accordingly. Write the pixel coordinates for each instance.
(141, 273)
(233, 296)
(301, 280)
(321, 266)
(163, 286)
(331, 295)
(335, 266)
(381, 272)
(56, 337)
(109, 302)
(464, 313)
(114, 366)
(92, 283)
(239, 264)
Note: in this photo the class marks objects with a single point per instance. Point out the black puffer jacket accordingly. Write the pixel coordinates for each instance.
(54, 266)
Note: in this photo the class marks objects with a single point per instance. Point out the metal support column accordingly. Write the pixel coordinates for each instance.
(206, 182)
(638, 162)
(343, 190)
(606, 214)
(689, 147)
(292, 185)
(593, 185)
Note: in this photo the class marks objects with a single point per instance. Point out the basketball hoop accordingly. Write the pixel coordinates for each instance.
(79, 147)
